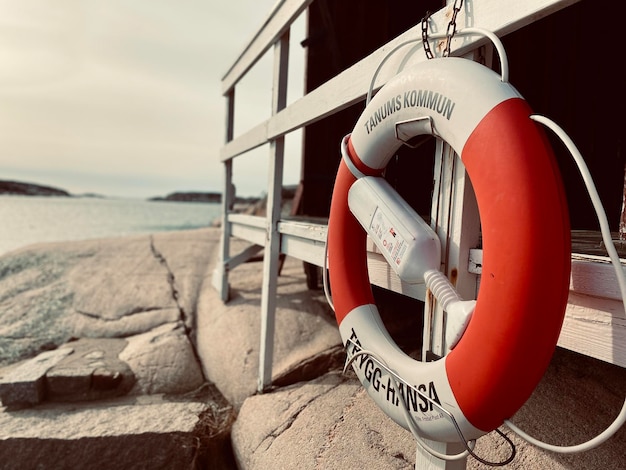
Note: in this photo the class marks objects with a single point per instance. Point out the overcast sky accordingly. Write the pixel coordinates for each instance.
(123, 97)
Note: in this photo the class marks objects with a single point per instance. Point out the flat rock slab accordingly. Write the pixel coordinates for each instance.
(107, 288)
(25, 385)
(163, 361)
(92, 372)
(306, 338)
(145, 433)
(329, 423)
(86, 369)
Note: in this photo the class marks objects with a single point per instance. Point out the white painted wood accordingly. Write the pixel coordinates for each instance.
(591, 275)
(307, 230)
(220, 274)
(425, 461)
(434, 320)
(383, 275)
(284, 13)
(242, 257)
(302, 240)
(595, 327)
(274, 204)
(595, 276)
(307, 242)
(310, 251)
(440, 221)
(250, 233)
(247, 141)
(247, 220)
(350, 86)
(595, 322)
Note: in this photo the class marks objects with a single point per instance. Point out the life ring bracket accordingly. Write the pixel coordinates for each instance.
(469, 444)
(411, 128)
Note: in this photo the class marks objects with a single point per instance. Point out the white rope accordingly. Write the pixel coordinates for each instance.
(621, 279)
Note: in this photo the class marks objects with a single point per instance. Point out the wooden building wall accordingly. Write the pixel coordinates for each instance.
(566, 65)
(340, 33)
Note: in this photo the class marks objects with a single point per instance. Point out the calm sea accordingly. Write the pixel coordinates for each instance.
(31, 219)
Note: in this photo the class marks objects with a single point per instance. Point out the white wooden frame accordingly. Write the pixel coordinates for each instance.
(594, 323)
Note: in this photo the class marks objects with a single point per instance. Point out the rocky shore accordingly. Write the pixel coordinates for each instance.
(118, 354)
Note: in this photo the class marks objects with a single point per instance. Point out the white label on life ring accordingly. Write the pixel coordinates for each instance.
(389, 236)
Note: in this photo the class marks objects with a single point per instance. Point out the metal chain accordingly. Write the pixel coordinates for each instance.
(450, 31)
(425, 43)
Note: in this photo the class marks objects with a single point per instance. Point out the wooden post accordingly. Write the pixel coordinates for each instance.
(622, 222)
(272, 242)
(220, 275)
(455, 218)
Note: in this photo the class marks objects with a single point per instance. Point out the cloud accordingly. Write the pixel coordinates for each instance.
(126, 88)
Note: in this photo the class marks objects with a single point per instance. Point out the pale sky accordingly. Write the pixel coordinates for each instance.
(123, 97)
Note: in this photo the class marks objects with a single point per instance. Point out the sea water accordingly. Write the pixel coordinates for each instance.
(25, 220)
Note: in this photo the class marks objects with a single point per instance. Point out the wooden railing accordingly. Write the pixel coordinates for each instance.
(595, 324)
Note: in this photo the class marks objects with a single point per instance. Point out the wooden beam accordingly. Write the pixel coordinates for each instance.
(274, 204)
(350, 86)
(274, 27)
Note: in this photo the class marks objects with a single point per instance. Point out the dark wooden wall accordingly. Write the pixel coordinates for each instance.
(568, 67)
(340, 34)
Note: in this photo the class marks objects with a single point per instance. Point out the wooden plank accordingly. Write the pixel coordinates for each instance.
(309, 231)
(220, 274)
(242, 257)
(595, 276)
(246, 219)
(595, 327)
(249, 233)
(247, 141)
(591, 275)
(302, 240)
(589, 242)
(274, 205)
(426, 461)
(351, 86)
(595, 322)
(274, 27)
(308, 250)
(382, 275)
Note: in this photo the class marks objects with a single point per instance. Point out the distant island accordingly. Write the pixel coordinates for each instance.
(192, 196)
(30, 189)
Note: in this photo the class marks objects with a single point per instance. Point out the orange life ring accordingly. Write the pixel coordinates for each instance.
(523, 293)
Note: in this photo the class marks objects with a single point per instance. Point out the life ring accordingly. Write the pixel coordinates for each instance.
(519, 310)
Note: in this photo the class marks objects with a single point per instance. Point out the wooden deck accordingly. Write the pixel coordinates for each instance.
(595, 323)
